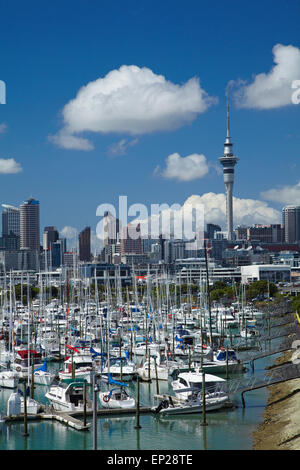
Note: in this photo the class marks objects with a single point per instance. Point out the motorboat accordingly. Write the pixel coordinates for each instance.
(116, 398)
(68, 395)
(213, 401)
(189, 384)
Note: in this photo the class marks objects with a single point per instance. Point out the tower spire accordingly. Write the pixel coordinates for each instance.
(228, 161)
(228, 118)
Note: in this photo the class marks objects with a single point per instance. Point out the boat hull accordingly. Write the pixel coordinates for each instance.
(60, 405)
(210, 405)
(116, 404)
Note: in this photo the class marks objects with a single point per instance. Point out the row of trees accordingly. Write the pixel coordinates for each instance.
(257, 290)
(219, 291)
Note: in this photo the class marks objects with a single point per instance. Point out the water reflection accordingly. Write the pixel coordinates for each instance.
(227, 429)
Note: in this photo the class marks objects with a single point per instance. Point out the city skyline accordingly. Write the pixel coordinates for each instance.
(48, 153)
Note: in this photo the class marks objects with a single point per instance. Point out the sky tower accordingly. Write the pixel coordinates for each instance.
(228, 161)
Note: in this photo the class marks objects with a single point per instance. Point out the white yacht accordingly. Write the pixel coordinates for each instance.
(8, 378)
(24, 360)
(170, 406)
(189, 384)
(67, 395)
(42, 376)
(140, 348)
(216, 362)
(83, 365)
(116, 398)
(32, 406)
(144, 374)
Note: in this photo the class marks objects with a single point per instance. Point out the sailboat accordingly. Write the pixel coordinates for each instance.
(8, 378)
(83, 365)
(42, 376)
(162, 371)
(119, 368)
(23, 361)
(116, 397)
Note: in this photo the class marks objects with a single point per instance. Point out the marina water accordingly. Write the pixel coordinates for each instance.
(227, 429)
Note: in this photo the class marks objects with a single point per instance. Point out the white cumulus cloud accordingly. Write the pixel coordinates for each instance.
(211, 208)
(245, 211)
(68, 141)
(272, 89)
(285, 194)
(69, 232)
(188, 168)
(9, 166)
(121, 147)
(130, 100)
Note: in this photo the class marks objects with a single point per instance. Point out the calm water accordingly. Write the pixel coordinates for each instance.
(228, 429)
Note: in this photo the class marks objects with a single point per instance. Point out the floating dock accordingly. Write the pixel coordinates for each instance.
(70, 419)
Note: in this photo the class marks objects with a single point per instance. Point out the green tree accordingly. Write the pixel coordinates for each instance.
(259, 289)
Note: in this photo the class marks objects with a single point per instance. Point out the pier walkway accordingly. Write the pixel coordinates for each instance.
(72, 420)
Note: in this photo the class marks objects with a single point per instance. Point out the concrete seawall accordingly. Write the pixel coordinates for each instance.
(280, 429)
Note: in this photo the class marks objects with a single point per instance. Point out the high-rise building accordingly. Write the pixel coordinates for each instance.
(291, 223)
(30, 224)
(211, 229)
(10, 242)
(148, 243)
(241, 232)
(265, 233)
(69, 259)
(111, 226)
(228, 161)
(10, 220)
(174, 249)
(58, 248)
(131, 241)
(50, 235)
(85, 244)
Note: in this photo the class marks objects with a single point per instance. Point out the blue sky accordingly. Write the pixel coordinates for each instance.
(50, 50)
